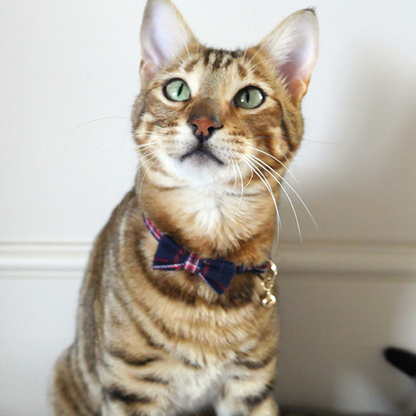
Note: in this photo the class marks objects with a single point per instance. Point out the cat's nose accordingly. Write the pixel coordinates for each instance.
(203, 127)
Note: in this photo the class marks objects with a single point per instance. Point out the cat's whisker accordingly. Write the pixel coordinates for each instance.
(146, 149)
(279, 161)
(154, 124)
(296, 193)
(245, 52)
(121, 164)
(248, 42)
(290, 172)
(147, 135)
(261, 47)
(251, 178)
(242, 187)
(115, 179)
(235, 177)
(268, 187)
(145, 157)
(102, 148)
(139, 147)
(251, 170)
(296, 159)
(264, 165)
(95, 120)
(187, 50)
(147, 171)
(141, 152)
(318, 142)
(146, 144)
(233, 164)
(135, 172)
(259, 63)
(185, 43)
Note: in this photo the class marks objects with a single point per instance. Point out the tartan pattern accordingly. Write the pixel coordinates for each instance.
(217, 273)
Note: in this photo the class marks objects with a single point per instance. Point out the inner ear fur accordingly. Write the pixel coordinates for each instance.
(292, 47)
(164, 34)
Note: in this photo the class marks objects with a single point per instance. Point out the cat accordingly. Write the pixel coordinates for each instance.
(176, 313)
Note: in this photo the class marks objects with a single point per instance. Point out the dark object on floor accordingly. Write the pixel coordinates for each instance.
(401, 359)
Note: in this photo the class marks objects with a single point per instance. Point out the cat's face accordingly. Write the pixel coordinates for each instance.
(210, 116)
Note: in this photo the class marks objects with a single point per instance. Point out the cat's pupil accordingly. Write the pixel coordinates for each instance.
(247, 96)
(180, 90)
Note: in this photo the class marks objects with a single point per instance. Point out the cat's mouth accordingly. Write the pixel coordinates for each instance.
(202, 153)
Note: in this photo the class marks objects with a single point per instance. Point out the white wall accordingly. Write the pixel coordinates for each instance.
(69, 77)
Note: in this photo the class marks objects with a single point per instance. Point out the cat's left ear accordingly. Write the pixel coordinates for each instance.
(293, 47)
(163, 36)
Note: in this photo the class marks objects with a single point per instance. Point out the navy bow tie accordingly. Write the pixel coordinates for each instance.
(218, 273)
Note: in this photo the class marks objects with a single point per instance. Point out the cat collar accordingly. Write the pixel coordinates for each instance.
(217, 273)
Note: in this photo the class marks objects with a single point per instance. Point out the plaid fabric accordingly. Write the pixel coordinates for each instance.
(218, 273)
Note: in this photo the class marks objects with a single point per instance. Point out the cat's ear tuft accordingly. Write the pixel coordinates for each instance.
(293, 48)
(164, 34)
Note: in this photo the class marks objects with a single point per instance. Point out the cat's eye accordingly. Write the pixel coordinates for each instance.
(249, 98)
(177, 90)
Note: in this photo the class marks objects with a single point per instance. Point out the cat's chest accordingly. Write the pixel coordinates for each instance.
(196, 388)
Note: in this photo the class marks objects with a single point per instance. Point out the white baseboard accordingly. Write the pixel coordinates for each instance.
(327, 258)
(43, 259)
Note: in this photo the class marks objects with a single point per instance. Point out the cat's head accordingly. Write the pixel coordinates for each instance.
(209, 116)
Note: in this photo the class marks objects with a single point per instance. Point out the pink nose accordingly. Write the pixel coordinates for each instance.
(203, 124)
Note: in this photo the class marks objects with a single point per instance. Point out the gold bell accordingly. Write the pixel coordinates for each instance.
(268, 300)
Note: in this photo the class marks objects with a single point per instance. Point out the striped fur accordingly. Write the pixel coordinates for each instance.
(153, 343)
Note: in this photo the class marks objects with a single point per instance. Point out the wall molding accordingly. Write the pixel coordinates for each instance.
(43, 260)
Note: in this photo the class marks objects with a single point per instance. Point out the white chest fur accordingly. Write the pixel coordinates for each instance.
(195, 388)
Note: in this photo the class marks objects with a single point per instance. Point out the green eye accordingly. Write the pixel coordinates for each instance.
(177, 90)
(249, 98)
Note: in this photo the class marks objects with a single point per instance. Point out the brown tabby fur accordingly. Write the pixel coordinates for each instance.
(155, 342)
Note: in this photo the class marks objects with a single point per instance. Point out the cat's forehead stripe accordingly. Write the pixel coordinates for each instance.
(216, 58)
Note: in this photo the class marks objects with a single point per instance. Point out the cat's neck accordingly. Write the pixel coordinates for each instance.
(213, 223)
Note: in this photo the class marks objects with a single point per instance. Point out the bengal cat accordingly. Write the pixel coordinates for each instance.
(176, 313)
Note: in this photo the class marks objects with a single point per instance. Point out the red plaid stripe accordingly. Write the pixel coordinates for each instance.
(151, 226)
(192, 263)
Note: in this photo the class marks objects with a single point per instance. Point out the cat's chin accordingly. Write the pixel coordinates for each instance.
(201, 156)
(199, 167)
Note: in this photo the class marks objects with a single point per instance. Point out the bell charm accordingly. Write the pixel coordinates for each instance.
(269, 300)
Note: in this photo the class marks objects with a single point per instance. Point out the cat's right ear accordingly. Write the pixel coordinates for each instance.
(163, 36)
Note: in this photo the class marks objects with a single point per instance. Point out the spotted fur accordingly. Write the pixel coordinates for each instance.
(153, 343)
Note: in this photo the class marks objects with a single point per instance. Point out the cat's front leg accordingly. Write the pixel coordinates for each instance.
(119, 402)
(123, 405)
(267, 407)
(246, 398)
